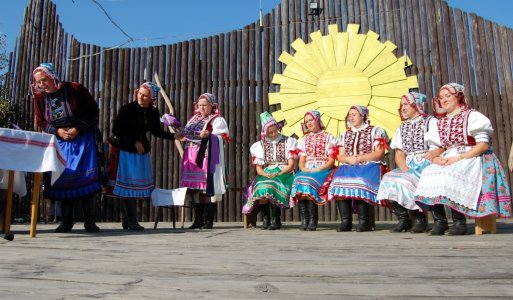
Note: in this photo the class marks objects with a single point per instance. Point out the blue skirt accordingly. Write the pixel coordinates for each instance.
(81, 177)
(135, 176)
(308, 185)
(357, 182)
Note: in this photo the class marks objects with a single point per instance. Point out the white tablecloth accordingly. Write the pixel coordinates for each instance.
(28, 151)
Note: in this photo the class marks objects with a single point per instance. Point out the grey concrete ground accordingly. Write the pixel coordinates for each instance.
(231, 263)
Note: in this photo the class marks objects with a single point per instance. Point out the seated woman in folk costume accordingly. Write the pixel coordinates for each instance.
(412, 157)
(273, 157)
(316, 159)
(360, 151)
(203, 159)
(467, 177)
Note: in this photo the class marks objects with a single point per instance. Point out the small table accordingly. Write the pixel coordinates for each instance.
(28, 151)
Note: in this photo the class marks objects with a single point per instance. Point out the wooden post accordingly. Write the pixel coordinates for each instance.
(486, 225)
(8, 203)
(35, 203)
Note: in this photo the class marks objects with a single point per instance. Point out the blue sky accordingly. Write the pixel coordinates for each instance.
(155, 22)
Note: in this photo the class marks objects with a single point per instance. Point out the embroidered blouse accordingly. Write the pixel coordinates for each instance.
(363, 140)
(317, 148)
(464, 129)
(273, 153)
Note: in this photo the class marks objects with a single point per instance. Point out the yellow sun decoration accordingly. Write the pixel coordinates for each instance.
(336, 71)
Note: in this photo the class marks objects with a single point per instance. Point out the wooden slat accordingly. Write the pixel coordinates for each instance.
(502, 146)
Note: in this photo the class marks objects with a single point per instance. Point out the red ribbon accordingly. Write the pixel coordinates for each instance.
(295, 152)
(334, 152)
(226, 137)
(382, 142)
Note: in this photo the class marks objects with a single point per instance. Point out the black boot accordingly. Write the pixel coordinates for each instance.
(313, 210)
(124, 215)
(305, 216)
(440, 220)
(131, 209)
(89, 207)
(276, 217)
(346, 215)
(459, 224)
(198, 216)
(266, 218)
(403, 217)
(363, 216)
(67, 216)
(420, 224)
(210, 209)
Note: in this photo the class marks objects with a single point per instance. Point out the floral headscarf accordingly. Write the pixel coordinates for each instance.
(455, 89)
(211, 100)
(152, 87)
(316, 115)
(49, 70)
(267, 121)
(364, 111)
(417, 101)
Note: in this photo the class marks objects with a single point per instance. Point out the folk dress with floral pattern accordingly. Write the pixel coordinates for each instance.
(273, 156)
(317, 148)
(477, 186)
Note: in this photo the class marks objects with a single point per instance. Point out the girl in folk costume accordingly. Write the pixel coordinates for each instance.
(129, 133)
(273, 157)
(203, 159)
(411, 156)
(68, 110)
(316, 159)
(467, 177)
(360, 151)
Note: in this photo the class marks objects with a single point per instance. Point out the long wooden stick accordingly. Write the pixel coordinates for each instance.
(171, 111)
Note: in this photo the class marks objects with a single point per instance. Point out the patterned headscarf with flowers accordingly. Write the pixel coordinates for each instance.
(455, 89)
(364, 111)
(211, 100)
(152, 87)
(267, 121)
(316, 115)
(49, 70)
(417, 101)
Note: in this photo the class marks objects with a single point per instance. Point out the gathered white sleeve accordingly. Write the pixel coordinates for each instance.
(331, 145)
(379, 133)
(340, 140)
(432, 136)
(291, 148)
(397, 140)
(219, 126)
(480, 127)
(257, 154)
(301, 146)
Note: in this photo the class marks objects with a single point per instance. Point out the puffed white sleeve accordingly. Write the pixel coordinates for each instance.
(397, 141)
(257, 154)
(340, 140)
(480, 127)
(432, 136)
(301, 146)
(380, 137)
(219, 126)
(331, 146)
(291, 148)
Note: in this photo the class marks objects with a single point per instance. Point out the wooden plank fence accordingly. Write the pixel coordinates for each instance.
(444, 43)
